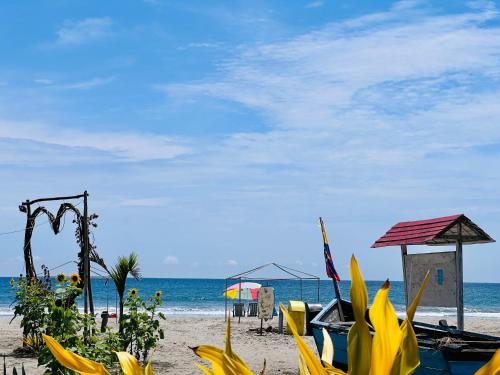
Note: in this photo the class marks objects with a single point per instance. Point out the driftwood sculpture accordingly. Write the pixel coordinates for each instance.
(87, 251)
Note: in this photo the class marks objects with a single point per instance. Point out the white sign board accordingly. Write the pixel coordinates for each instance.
(266, 302)
(441, 289)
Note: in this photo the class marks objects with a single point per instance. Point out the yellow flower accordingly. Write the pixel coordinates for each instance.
(72, 361)
(60, 278)
(132, 292)
(12, 281)
(158, 294)
(75, 279)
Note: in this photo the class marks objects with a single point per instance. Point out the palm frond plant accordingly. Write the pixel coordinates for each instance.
(119, 273)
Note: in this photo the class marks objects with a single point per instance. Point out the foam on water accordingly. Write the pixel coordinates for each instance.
(204, 296)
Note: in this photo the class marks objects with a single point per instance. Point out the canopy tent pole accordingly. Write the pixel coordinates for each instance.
(460, 282)
(239, 299)
(225, 303)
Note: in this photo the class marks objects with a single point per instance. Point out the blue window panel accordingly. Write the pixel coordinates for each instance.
(439, 276)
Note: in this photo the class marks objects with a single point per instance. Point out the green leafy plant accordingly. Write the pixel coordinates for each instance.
(119, 273)
(141, 326)
(53, 311)
(31, 303)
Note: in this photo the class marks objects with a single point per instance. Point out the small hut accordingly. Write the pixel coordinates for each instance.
(445, 287)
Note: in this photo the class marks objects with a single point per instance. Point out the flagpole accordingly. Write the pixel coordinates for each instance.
(335, 283)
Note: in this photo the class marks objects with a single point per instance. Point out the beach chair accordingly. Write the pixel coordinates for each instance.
(238, 309)
(252, 309)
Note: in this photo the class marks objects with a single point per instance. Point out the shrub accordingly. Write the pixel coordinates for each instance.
(141, 326)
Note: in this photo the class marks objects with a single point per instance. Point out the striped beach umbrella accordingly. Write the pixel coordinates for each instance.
(246, 290)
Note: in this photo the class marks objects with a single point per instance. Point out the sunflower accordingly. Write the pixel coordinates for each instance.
(132, 292)
(60, 278)
(75, 279)
(158, 294)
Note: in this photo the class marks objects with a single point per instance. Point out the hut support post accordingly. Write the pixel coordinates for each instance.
(460, 281)
(404, 252)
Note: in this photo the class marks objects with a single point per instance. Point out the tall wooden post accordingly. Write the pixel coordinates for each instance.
(85, 254)
(460, 281)
(404, 252)
(28, 257)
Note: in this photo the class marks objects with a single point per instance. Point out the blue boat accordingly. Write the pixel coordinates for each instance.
(443, 349)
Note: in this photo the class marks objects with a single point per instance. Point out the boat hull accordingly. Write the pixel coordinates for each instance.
(433, 360)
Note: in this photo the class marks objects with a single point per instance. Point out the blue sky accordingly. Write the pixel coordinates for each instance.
(211, 135)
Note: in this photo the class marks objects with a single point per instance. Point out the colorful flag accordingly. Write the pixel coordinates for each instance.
(330, 268)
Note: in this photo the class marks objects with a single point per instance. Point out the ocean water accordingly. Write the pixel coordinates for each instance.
(204, 296)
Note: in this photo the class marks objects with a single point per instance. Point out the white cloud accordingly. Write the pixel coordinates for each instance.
(232, 263)
(83, 31)
(314, 4)
(89, 84)
(44, 81)
(336, 94)
(299, 262)
(84, 145)
(145, 202)
(171, 260)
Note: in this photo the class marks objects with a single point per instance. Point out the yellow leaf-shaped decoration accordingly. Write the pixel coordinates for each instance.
(312, 362)
(204, 369)
(359, 339)
(149, 369)
(213, 355)
(129, 364)
(492, 367)
(303, 370)
(73, 361)
(327, 352)
(408, 357)
(388, 335)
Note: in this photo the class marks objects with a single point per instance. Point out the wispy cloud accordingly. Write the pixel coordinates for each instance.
(77, 145)
(378, 74)
(90, 84)
(84, 31)
(314, 4)
(232, 263)
(145, 202)
(171, 260)
(44, 81)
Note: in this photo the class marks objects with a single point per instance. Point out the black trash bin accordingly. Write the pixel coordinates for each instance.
(104, 321)
(312, 309)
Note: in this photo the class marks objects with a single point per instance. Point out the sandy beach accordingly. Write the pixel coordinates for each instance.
(173, 355)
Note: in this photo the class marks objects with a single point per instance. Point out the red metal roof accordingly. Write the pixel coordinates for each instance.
(437, 231)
